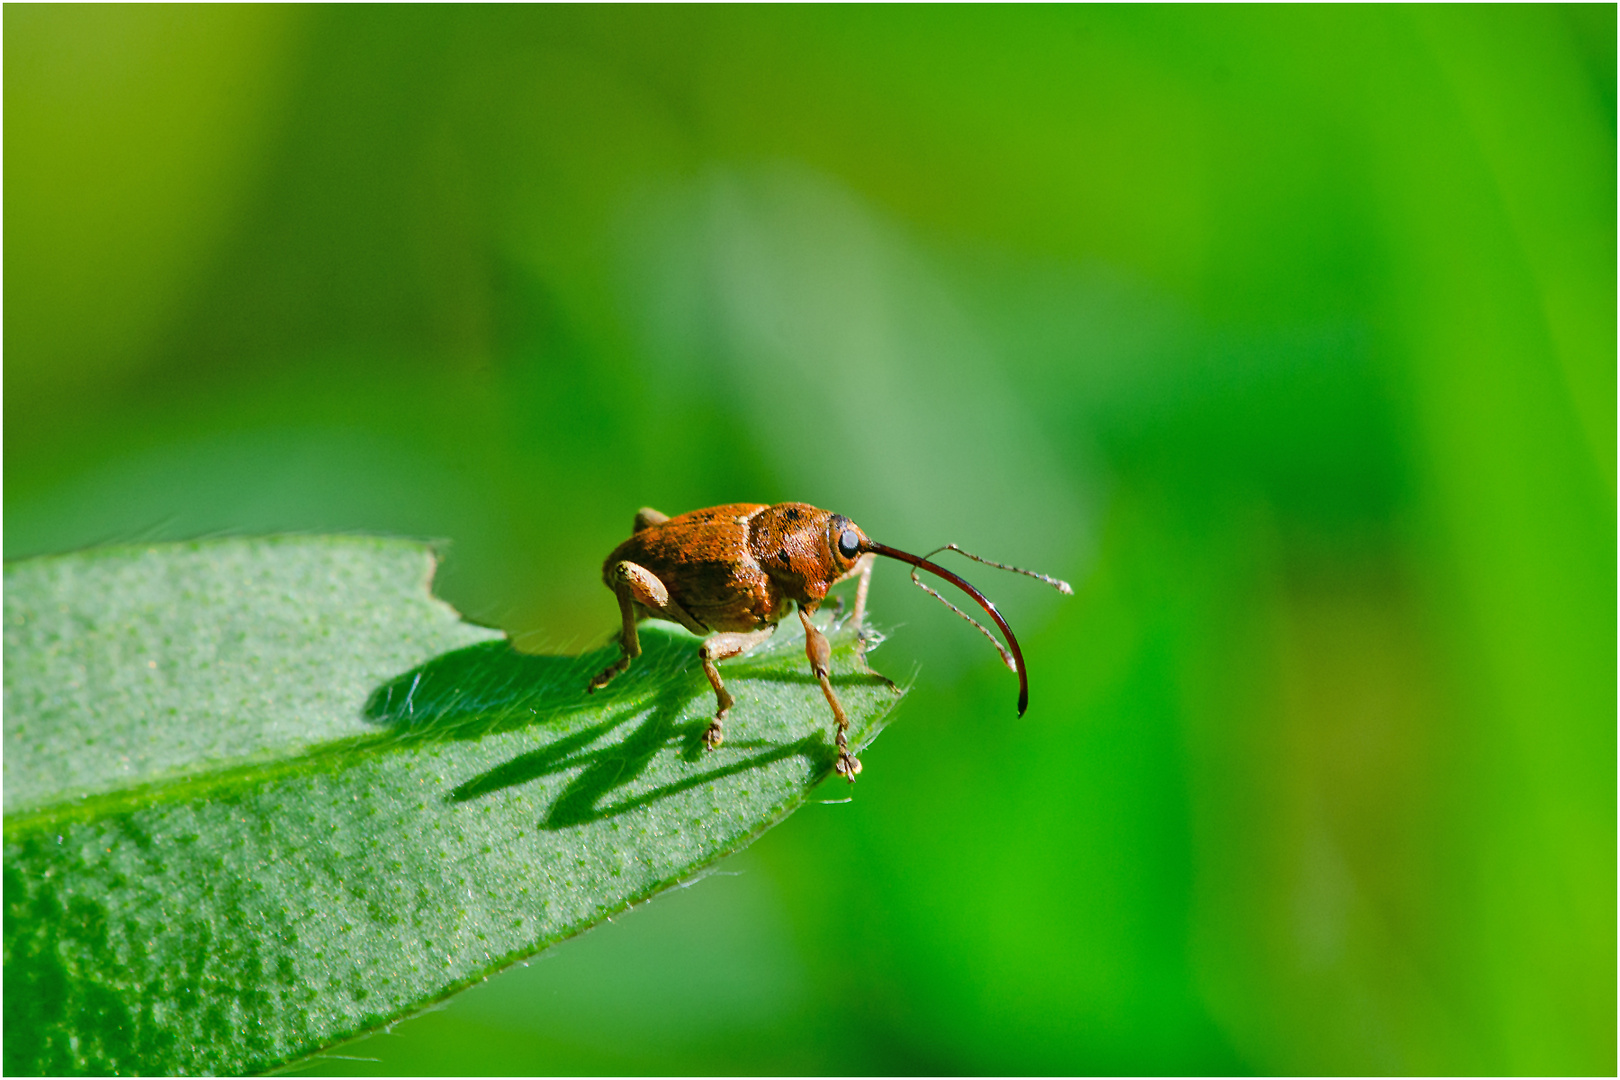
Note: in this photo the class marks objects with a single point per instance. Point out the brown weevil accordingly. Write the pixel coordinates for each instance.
(731, 573)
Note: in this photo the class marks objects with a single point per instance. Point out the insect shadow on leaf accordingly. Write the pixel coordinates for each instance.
(491, 688)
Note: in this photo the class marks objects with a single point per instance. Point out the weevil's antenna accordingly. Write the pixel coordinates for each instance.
(1057, 583)
(917, 581)
(1015, 660)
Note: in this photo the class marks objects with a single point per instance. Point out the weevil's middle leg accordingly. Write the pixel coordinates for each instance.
(724, 647)
(820, 656)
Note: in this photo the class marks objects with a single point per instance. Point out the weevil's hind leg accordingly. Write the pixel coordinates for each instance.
(640, 594)
(820, 656)
(724, 647)
(629, 642)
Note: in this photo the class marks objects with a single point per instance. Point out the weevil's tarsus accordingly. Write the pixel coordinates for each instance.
(1012, 655)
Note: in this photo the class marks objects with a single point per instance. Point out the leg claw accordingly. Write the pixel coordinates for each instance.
(608, 674)
(714, 736)
(849, 766)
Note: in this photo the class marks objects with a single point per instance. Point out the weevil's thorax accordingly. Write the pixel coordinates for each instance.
(798, 546)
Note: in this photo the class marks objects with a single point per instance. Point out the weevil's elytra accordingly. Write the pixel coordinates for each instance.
(734, 572)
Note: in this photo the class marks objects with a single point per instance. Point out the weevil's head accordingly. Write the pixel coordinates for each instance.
(805, 549)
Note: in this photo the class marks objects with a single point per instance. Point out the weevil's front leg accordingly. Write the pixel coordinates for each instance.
(864, 569)
(858, 618)
(640, 593)
(820, 655)
(724, 647)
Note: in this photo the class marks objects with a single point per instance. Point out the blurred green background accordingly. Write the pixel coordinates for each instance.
(1288, 335)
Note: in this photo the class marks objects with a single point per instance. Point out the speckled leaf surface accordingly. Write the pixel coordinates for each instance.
(265, 795)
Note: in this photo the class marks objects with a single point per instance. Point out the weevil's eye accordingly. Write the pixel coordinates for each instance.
(849, 543)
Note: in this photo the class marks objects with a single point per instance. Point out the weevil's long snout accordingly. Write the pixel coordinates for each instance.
(990, 609)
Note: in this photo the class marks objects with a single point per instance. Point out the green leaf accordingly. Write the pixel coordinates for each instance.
(265, 795)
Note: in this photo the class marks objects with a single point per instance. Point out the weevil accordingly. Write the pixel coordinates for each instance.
(731, 573)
